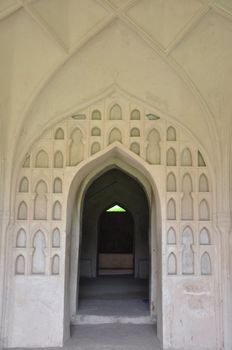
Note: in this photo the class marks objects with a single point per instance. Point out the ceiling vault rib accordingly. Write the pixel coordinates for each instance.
(222, 11)
(179, 71)
(187, 28)
(37, 18)
(10, 11)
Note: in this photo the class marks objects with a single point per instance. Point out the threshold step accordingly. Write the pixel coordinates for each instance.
(98, 319)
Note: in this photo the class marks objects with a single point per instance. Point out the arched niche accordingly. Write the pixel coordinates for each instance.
(171, 210)
(115, 112)
(55, 265)
(20, 265)
(115, 135)
(153, 147)
(57, 211)
(22, 211)
(57, 185)
(206, 266)
(24, 185)
(171, 183)
(21, 239)
(186, 157)
(96, 147)
(204, 236)
(56, 238)
(58, 160)
(40, 203)
(42, 160)
(96, 131)
(76, 148)
(187, 252)
(38, 257)
(171, 157)
(172, 264)
(171, 236)
(204, 213)
(135, 147)
(135, 115)
(171, 134)
(96, 115)
(59, 134)
(27, 161)
(201, 161)
(187, 185)
(135, 132)
(203, 183)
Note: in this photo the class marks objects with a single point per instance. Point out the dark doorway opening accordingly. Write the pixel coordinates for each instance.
(115, 243)
(114, 251)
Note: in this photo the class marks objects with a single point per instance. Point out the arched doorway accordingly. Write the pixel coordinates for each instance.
(114, 251)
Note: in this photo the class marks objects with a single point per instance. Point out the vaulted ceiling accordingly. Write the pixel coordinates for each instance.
(39, 38)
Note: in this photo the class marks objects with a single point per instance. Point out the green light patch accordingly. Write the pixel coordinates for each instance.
(116, 209)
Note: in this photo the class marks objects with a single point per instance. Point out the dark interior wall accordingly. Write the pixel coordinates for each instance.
(114, 186)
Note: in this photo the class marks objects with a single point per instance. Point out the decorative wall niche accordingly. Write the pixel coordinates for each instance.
(171, 236)
(204, 237)
(40, 204)
(186, 157)
(55, 265)
(135, 132)
(22, 211)
(58, 160)
(96, 115)
(135, 115)
(95, 132)
(57, 210)
(57, 185)
(171, 210)
(171, 157)
(59, 134)
(153, 148)
(204, 210)
(172, 264)
(76, 149)
(186, 200)
(187, 253)
(38, 258)
(201, 161)
(115, 135)
(203, 183)
(20, 265)
(96, 147)
(21, 239)
(206, 267)
(56, 238)
(27, 160)
(171, 134)
(42, 160)
(135, 147)
(24, 185)
(115, 112)
(171, 183)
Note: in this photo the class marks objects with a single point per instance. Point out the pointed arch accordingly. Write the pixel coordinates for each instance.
(58, 160)
(172, 264)
(171, 209)
(171, 236)
(186, 157)
(171, 183)
(42, 160)
(135, 132)
(171, 157)
(115, 135)
(187, 252)
(21, 239)
(57, 211)
(135, 115)
(24, 185)
(171, 134)
(96, 115)
(206, 266)
(55, 265)
(59, 134)
(115, 112)
(204, 237)
(153, 148)
(96, 147)
(56, 238)
(57, 185)
(204, 213)
(203, 183)
(135, 147)
(22, 211)
(38, 258)
(20, 265)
